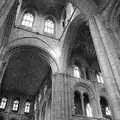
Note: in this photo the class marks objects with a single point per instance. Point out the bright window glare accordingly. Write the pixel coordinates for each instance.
(15, 105)
(100, 78)
(28, 20)
(89, 110)
(27, 107)
(76, 72)
(3, 103)
(49, 26)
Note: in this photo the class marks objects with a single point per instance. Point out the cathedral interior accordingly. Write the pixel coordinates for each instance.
(59, 60)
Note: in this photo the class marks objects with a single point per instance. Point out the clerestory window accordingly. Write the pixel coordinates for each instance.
(49, 26)
(100, 78)
(88, 110)
(87, 106)
(76, 72)
(15, 105)
(3, 103)
(27, 107)
(105, 108)
(28, 20)
(77, 103)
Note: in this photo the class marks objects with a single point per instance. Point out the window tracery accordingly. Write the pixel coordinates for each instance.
(15, 105)
(76, 72)
(82, 104)
(49, 26)
(27, 107)
(28, 19)
(100, 78)
(3, 103)
(88, 110)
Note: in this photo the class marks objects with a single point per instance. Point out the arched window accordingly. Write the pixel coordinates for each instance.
(105, 108)
(76, 72)
(27, 107)
(49, 26)
(3, 103)
(107, 111)
(28, 20)
(100, 78)
(88, 109)
(15, 105)
(77, 103)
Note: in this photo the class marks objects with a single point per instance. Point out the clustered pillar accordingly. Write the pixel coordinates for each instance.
(108, 61)
(60, 97)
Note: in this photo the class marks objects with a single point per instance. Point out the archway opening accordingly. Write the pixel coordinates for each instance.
(82, 54)
(105, 108)
(27, 75)
(77, 103)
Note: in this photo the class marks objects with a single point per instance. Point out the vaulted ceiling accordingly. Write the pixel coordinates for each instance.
(25, 72)
(83, 44)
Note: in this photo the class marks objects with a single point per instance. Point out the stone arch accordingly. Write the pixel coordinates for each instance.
(83, 88)
(44, 49)
(113, 15)
(87, 87)
(33, 50)
(104, 102)
(70, 37)
(74, 41)
(16, 48)
(103, 93)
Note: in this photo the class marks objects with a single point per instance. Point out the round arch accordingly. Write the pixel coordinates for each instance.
(85, 86)
(85, 89)
(70, 37)
(44, 50)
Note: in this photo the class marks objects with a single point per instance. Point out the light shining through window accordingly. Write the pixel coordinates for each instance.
(49, 26)
(76, 72)
(27, 107)
(3, 103)
(28, 19)
(15, 105)
(88, 110)
(100, 78)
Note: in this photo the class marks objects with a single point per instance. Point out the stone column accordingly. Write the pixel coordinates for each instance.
(82, 101)
(108, 40)
(60, 97)
(100, 38)
(96, 98)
